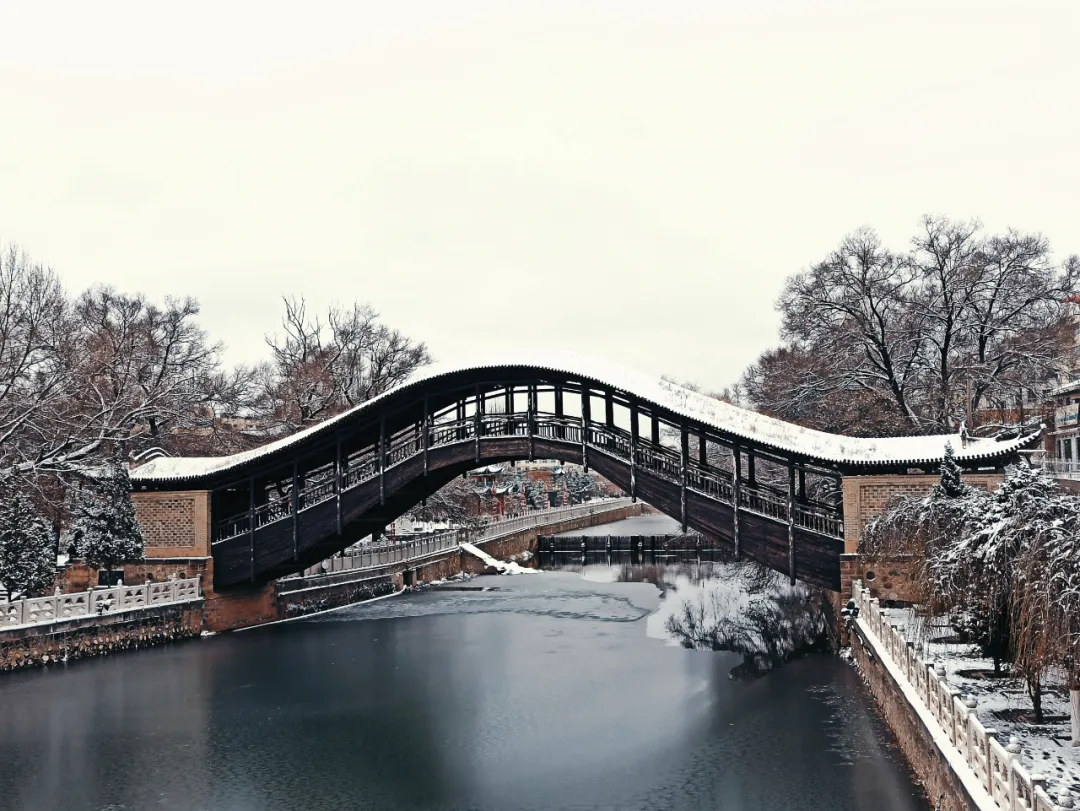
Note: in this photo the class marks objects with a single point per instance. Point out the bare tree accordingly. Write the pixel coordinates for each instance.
(320, 368)
(852, 309)
(106, 369)
(35, 330)
(919, 341)
(457, 503)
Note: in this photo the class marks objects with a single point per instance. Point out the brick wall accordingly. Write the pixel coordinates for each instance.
(866, 497)
(174, 524)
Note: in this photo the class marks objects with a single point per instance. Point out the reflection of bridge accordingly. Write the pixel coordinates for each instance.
(724, 471)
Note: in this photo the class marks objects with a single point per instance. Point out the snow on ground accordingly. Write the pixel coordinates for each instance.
(1047, 748)
(502, 567)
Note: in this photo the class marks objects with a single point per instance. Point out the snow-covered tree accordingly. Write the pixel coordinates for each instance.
(105, 526)
(535, 495)
(580, 486)
(27, 555)
(951, 485)
(1011, 577)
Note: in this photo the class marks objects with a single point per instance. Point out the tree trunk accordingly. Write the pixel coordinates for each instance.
(1035, 691)
(1074, 714)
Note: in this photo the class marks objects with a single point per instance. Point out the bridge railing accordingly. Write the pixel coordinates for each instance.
(374, 555)
(659, 460)
(818, 521)
(995, 766)
(96, 602)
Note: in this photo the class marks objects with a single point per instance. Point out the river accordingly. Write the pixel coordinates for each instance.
(560, 690)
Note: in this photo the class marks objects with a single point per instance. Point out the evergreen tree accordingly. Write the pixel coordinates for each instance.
(580, 486)
(535, 496)
(27, 556)
(951, 485)
(105, 523)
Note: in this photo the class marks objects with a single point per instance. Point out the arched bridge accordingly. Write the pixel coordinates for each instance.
(768, 487)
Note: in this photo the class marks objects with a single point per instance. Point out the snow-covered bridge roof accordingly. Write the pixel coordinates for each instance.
(777, 435)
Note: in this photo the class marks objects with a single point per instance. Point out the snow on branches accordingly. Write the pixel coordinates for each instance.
(105, 526)
(1004, 566)
(27, 554)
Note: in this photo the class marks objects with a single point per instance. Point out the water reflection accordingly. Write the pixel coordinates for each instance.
(720, 605)
(554, 691)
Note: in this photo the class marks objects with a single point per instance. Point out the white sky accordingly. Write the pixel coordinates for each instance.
(630, 179)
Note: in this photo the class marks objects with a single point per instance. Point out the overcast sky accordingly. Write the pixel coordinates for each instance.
(632, 179)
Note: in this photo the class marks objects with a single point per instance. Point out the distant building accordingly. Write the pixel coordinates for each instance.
(1065, 435)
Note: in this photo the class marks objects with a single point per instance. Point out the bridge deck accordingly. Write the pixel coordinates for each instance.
(719, 469)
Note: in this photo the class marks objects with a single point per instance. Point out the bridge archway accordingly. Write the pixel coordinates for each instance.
(282, 507)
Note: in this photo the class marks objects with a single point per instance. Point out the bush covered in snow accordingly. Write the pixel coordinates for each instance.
(1005, 568)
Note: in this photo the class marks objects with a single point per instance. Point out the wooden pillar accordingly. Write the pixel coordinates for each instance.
(609, 417)
(294, 498)
(702, 450)
(382, 458)
(508, 406)
(459, 414)
(476, 421)
(684, 462)
(736, 497)
(532, 422)
(586, 418)
(802, 485)
(251, 524)
(560, 429)
(427, 433)
(791, 520)
(633, 450)
(751, 478)
(339, 484)
(655, 430)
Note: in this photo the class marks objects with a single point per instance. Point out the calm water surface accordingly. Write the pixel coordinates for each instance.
(548, 691)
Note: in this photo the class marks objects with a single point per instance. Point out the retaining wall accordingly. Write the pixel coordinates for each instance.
(943, 787)
(65, 640)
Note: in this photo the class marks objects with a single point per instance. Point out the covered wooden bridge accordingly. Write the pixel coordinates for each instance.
(768, 487)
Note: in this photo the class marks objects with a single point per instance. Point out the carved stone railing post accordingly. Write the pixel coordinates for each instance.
(1014, 750)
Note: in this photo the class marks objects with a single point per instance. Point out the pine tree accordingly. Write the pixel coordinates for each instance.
(951, 485)
(27, 556)
(535, 497)
(105, 523)
(580, 486)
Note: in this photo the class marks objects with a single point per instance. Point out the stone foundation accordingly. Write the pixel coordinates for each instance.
(97, 636)
(296, 602)
(888, 578)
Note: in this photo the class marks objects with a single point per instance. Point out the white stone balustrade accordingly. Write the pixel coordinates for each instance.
(996, 766)
(60, 607)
